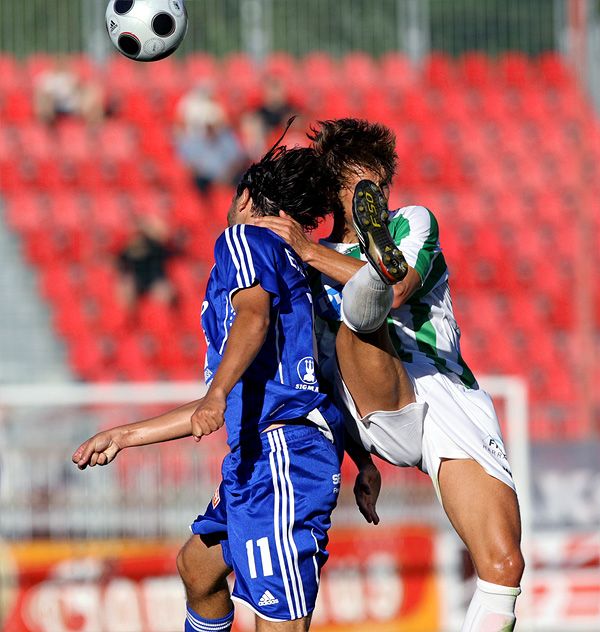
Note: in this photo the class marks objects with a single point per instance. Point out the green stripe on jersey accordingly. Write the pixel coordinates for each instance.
(426, 339)
(354, 251)
(467, 377)
(405, 356)
(438, 270)
(426, 336)
(399, 228)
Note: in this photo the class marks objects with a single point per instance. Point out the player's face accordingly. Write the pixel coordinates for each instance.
(353, 178)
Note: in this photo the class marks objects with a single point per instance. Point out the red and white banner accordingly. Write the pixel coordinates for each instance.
(379, 578)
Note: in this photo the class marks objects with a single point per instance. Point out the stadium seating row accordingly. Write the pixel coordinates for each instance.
(504, 151)
(470, 70)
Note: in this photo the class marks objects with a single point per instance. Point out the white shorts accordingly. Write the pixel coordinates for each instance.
(457, 423)
(395, 436)
(461, 423)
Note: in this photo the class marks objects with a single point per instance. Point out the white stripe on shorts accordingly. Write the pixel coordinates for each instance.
(276, 526)
(292, 517)
(285, 522)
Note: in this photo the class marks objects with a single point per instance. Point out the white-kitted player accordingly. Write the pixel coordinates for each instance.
(392, 347)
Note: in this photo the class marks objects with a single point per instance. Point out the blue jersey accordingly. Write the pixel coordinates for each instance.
(281, 383)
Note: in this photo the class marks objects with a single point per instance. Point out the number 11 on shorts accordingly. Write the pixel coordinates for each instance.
(265, 557)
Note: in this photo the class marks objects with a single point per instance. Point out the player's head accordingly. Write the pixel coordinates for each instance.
(353, 149)
(290, 180)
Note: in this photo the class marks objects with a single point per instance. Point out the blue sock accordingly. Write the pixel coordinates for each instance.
(195, 623)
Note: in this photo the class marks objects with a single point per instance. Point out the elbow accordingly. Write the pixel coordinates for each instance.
(257, 326)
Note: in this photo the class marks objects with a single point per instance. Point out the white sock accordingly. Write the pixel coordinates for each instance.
(492, 608)
(366, 301)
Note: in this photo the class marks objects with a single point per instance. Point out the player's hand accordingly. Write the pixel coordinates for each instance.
(100, 449)
(289, 230)
(209, 416)
(366, 491)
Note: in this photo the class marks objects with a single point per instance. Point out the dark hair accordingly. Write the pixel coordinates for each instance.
(347, 143)
(293, 180)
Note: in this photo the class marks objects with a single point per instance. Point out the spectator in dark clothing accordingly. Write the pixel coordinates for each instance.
(142, 264)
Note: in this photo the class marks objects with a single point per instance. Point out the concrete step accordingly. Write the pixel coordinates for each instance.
(29, 349)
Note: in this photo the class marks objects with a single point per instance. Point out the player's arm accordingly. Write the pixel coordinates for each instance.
(368, 480)
(103, 447)
(405, 288)
(246, 337)
(333, 264)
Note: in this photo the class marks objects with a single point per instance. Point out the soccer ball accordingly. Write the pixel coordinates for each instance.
(146, 30)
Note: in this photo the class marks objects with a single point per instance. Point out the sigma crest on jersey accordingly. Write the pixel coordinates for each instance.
(306, 370)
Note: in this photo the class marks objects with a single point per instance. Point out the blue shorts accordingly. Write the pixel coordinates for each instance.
(272, 512)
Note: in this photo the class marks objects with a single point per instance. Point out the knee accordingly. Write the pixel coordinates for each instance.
(183, 566)
(191, 575)
(503, 566)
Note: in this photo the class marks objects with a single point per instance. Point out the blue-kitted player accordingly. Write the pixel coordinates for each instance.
(269, 519)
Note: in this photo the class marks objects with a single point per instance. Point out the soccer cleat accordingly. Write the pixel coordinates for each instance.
(369, 216)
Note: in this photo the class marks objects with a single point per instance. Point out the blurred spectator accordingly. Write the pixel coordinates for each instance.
(206, 142)
(60, 92)
(142, 263)
(266, 121)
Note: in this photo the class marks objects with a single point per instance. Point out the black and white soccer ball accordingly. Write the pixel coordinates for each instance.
(146, 30)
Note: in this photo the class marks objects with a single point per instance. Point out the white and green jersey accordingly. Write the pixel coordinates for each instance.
(424, 328)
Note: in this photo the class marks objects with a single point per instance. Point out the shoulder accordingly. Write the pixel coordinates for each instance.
(413, 212)
(247, 237)
(251, 247)
(413, 219)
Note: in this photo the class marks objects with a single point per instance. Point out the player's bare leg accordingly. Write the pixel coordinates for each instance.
(372, 371)
(204, 574)
(485, 514)
(369, 365)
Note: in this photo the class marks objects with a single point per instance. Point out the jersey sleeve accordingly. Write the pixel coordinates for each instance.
(416, 231)
(244, 256)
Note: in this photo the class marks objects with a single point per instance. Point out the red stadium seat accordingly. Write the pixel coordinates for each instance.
(360, 68)
(283, 66)
(200, 67)
(554, 72)
(515, 69)
(36, 140)
(38, 63)
(87, 356)
(476, 70)
(71, 320)
(397, 71)
(133, 357)
(439, 71)
(155, 317)
(319, 68)
(11, 74)
(57, 283)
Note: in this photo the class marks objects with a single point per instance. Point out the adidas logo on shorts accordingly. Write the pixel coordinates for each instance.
(267, 599)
